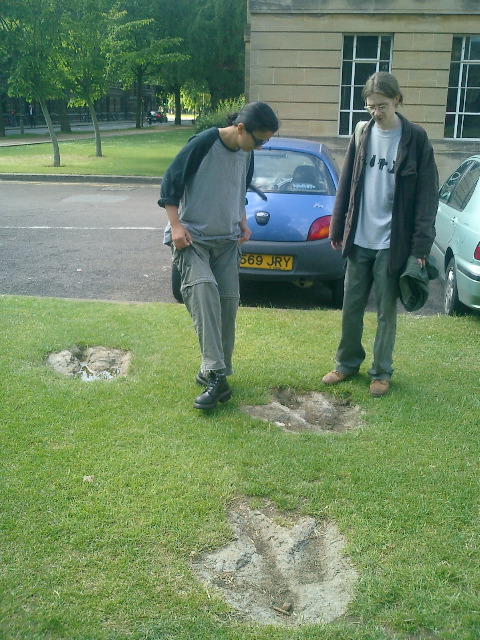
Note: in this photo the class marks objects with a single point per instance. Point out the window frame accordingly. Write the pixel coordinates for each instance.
(458, 88)
(353, 114)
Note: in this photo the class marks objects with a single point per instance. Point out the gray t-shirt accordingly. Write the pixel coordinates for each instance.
(214, 199)
(208, 181)
(374, 222)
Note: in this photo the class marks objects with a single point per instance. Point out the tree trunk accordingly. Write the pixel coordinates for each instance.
(64, 120)
(215, 94)
(2, 120)
(178, 105)
(98, 141)
(51, 130)
(140, 110)
(21, 116)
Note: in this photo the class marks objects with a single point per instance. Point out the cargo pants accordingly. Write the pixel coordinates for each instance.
(211, 292)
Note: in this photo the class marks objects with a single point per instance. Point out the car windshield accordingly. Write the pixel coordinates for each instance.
(291, 172)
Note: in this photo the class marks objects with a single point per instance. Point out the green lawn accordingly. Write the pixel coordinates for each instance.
(110, 560)
(143, 154)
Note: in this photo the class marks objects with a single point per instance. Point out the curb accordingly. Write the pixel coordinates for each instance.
(67, 177)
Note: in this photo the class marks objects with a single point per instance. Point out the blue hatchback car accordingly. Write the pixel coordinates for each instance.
(289, 210)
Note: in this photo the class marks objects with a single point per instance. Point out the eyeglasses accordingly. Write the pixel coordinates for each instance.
(258, 142)
(371, 108)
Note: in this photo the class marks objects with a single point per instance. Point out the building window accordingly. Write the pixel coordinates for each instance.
(362, 56)
(462, 118)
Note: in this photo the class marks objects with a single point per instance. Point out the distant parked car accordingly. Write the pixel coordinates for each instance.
(289, 212)
(156, 116)
(456, 248)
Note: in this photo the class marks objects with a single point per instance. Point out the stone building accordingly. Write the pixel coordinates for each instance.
(310, 58)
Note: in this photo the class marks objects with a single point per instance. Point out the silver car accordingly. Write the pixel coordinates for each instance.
(456, 248)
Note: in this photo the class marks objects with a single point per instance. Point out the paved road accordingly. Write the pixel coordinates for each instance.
(104, 242)
(83, 241)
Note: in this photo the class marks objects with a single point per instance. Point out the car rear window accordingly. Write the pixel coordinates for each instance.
(291, 172)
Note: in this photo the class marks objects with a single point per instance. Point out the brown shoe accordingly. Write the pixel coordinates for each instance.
(379, 387)
(334, 377)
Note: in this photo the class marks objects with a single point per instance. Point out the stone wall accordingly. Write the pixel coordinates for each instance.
(294, 59)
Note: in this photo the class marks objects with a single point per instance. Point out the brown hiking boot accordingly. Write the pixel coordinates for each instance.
(379, 387)
(334, 377)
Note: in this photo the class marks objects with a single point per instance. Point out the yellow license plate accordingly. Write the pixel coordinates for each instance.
(265, 261)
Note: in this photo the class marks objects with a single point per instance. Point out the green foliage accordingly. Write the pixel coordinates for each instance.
(218, 117)
(216, 41)
(110, 558)
(212, 33)
(31, 30)
(80, 48)
(85, 47)
(195, 96)
(139, 52)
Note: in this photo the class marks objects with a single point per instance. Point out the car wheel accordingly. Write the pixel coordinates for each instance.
(176, 284)
(337, 287)
(451, 302)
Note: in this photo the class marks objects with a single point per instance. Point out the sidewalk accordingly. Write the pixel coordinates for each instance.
(40, 135)
(82, 130)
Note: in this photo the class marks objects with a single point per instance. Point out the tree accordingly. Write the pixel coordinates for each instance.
(88, 26)
(32, 30)
(217, 46)
(3, 82)
(173, 77)
(195, 96)
(213, 44)
(143, 49)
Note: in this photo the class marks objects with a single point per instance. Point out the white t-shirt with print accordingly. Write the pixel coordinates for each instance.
(375, 218)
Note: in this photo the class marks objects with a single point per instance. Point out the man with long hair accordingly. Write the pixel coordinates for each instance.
(384, 212)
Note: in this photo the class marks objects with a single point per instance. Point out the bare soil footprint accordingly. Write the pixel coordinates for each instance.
(314, 411)
(280, 569)
(92, 363)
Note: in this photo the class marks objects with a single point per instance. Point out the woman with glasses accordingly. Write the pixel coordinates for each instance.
(384, 212)
(203, 192)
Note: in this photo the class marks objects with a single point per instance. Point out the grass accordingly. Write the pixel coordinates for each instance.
(144, 154)
(109, 560)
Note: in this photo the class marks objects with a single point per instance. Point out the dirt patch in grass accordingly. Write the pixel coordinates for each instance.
(315, 411)
(280, 569)
(92, 363)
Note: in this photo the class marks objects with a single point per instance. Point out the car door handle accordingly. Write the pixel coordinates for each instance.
(453, 220)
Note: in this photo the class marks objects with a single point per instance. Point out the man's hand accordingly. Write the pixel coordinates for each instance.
(245, 234)
(181, 237)
(245, 231)
(336, 244)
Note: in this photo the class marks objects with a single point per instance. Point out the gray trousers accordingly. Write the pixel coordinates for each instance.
(367, 267)
(211, 292)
